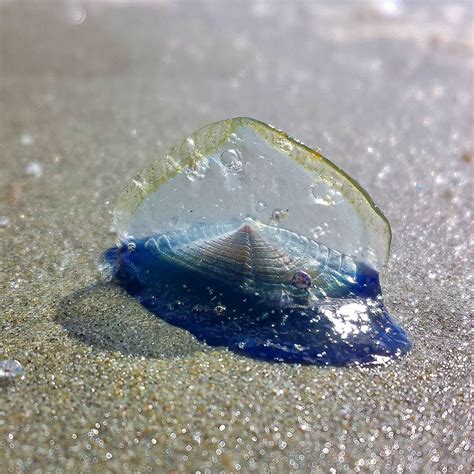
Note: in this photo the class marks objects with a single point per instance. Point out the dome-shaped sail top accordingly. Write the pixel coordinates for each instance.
(242, 168)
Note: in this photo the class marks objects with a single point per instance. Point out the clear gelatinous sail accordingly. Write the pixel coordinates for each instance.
(241, 168)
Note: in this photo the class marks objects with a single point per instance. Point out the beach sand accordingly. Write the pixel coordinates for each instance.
(92, 92)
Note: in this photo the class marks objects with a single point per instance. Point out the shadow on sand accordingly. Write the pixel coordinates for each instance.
(104, 316)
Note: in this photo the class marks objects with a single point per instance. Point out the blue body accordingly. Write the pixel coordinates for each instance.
(219, 315)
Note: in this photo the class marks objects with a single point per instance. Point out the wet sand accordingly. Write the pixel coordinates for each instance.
(92, 92)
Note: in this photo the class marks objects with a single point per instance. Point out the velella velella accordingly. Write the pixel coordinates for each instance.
(250, 240)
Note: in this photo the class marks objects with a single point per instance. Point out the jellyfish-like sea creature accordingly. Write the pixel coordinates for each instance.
(251, 240)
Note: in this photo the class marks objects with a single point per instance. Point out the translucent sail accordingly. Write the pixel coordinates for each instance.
(240, 168)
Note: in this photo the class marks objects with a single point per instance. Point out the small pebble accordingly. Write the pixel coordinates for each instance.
(10, 369)
(34, 169)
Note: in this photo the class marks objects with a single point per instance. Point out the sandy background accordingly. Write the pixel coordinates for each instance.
(92, 92)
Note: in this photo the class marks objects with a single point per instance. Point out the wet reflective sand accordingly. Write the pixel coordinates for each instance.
(91, 92)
